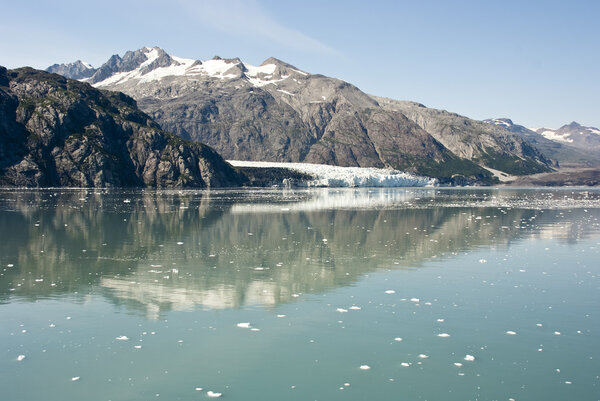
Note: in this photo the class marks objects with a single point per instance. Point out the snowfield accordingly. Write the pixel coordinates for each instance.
(334, 176)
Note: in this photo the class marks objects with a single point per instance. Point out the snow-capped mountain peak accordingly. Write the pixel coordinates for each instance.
(574, 134)
(502, 122)
(75, 70)
(150, 64)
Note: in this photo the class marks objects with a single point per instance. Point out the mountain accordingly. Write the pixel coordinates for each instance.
(563, 145)
(277, 112)
(574, 135)
(76, 70)
(60, 132)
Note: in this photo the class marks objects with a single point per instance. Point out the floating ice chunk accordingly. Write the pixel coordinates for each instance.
(245, 325)
(405, 364)
(557, 333)
(364, 367)
(398, 339)
(423, 356)
(254, 329)
(137, 346)
(539, 325)
(74, 379)
(415, 300)
(443, 335)
(179, 243)
(355, 307)
(511, 333)
(469, 358)
(346, 384)
(458, 364)
(390, 292)
(20, 358)
(440, 320)
(568, 382)
(342, 310)
(198, 388)
(122, 338)
(281, 315)
(212, 394)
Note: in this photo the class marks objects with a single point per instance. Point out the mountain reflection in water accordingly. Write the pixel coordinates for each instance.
(155, 251)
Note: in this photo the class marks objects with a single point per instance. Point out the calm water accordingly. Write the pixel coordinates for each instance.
(483, 294)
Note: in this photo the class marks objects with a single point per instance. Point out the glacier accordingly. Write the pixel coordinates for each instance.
(325, 175)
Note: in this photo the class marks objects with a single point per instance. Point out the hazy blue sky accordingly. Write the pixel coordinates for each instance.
(537, 62)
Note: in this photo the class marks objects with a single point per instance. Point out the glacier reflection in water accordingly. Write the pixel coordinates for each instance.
(331, 279)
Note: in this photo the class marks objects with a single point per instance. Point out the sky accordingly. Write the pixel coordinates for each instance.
(536, 62)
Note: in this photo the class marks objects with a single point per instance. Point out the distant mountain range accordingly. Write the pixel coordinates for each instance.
(571, 145)
(277, 112)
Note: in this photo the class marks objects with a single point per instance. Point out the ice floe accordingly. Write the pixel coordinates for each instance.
(213, 394)
(364, 367)
(444, 335)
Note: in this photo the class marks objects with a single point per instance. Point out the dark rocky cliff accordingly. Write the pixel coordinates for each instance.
(60, 132)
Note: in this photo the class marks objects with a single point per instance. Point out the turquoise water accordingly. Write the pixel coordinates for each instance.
(272, 295)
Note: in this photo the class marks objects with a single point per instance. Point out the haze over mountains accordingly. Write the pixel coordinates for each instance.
(277, 112)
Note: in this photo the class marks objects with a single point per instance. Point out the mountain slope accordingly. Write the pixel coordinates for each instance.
(60, 132)
(488, 145)
(276, 112)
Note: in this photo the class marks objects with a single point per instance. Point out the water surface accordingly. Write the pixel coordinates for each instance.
(271, 295)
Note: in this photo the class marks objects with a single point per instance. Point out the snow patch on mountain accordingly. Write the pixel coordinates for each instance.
(554, 136)
(334, 176)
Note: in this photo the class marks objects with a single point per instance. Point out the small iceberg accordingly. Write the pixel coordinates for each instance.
(444, 335)
(245, 325)
(20, 358)
(364, 367)
(122, 338)
(213, 394)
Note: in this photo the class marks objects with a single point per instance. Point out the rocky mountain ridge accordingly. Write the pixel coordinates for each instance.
(76, 70)
(60, 132)
(277, 112)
